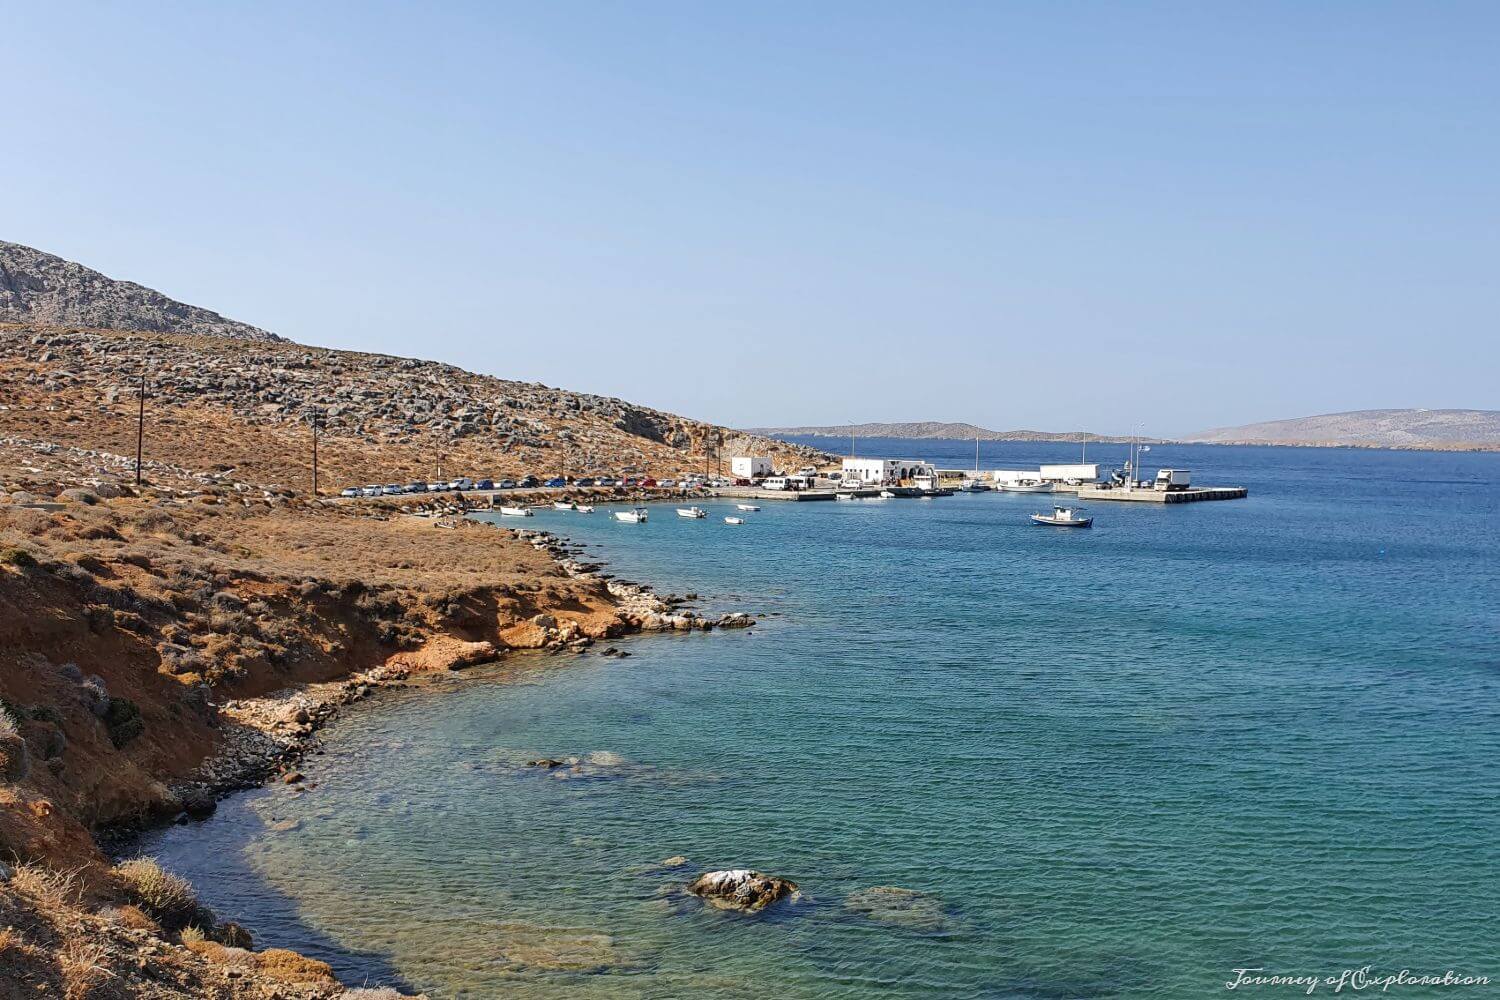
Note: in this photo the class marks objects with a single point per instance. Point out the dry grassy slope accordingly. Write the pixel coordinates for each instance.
(240, 409)
(168, 606)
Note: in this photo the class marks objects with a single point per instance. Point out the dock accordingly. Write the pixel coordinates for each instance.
(1190, 495)
(756, 493)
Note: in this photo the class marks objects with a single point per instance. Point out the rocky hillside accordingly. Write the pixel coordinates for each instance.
(241, 411)
(37, 287)
(1439, 429)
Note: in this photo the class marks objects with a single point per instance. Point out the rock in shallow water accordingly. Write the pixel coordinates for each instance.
(742, 889)
(889, 904)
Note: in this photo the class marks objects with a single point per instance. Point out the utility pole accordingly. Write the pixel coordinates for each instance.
(315, 454)
(140, 425)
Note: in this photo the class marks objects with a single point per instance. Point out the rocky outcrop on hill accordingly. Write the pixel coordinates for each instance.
(382, 418)
(37, 287)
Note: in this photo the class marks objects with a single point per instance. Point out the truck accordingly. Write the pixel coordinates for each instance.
(1173, 479)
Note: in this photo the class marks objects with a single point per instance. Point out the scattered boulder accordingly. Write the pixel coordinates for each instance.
(15, 759)
(198, 804)
(742, 889)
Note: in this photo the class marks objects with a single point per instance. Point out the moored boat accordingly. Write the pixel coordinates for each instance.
(583, 508)
(635, 515)
(1028, 486)
(516, 511)
(691, 512)
(887, 495)
(746, 506)
(1063, 517)
(563, 505)
(846, 496)
(734, 520)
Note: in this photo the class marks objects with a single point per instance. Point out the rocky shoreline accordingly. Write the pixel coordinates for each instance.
(265, 739)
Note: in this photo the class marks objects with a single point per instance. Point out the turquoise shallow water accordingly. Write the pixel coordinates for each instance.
(1116, 763)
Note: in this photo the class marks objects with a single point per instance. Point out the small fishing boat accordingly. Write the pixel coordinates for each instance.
(974, 486)
(562, 505)
(691, 512)
(1062, 517)
(633, 516)
(846, 496)
(1028, 486)
(887, 495)
(746, 506)
(734, 520)
(516, 511)
(583, 508)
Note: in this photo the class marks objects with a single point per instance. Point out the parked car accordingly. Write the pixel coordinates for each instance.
(436, 487)
(349, 491)
(372, 490)
(585, 481)
(666, 483)
(556, 481)
(506, 484)
(485, 484)
(608, 481)
(464, 483)
(395, 489)
(648, 482)
(530, 482)
(416, 487)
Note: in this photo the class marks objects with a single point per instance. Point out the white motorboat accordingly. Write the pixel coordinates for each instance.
(1063, 517)
(887, 495)
(691, 512)
(846, 496)
(563, 505)
(974, 486)
(516, 511)
(746, 506)
(583, 508)
(635, 515)
(734, 520)
(1028, 486)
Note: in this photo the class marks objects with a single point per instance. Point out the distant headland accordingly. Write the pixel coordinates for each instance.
(1403, 429)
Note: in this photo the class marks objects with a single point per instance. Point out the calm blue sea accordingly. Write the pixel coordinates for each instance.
(1110, 763)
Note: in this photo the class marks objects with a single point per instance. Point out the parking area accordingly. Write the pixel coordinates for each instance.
(493, 487)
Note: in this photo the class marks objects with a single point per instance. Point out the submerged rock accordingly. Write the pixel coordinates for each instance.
(742, 889)
(889, 904)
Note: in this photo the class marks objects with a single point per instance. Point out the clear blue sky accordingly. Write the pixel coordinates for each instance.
(1102, 215)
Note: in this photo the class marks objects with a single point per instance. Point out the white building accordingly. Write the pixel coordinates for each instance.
(885, 471)
(1009, 477)
(750, 466)
(1082, 472)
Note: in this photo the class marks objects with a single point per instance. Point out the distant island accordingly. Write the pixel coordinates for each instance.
(1402, 429)
(1438, 430)
(931, 429)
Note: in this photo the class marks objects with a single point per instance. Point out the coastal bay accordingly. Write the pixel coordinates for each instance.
(1113, 764)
